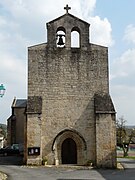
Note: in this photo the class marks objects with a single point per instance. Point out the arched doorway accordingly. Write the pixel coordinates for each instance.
(79, 147)
(69, 151)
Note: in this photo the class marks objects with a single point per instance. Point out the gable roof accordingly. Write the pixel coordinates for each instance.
(70, 15)
(19, 103)
(103, 103)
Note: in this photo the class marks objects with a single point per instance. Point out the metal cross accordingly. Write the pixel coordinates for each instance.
(67, 8)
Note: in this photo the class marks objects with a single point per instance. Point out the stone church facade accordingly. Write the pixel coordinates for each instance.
(70, 114)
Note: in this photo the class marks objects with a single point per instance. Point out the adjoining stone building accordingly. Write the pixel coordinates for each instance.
(70, 114)
(16, 122)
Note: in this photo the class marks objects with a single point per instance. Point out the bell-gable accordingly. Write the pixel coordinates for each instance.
(59, 31)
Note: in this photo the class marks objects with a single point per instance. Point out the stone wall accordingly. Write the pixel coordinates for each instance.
(20, 120)
(15, 126)
(67, 81)
(105, 140)
(105, 131)
(68, 23)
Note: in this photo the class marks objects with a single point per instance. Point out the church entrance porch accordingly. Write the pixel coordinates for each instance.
(69, 151)
(69, 147)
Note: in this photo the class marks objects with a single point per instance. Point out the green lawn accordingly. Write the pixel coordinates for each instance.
(131, 154)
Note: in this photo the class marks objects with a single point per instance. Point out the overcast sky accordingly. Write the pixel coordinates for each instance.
(23, 23)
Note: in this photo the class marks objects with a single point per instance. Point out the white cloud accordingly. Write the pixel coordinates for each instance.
(23, 24)
(101, 31)
(33, 14)
(124, 99)
(2, 21)
(13, 76)
(124, 66)
(130, 33)
(123, 85)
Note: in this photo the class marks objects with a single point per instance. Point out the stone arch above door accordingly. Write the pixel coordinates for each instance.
(77, 138)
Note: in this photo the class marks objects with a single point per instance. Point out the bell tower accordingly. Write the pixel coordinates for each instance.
(59, 31)
(70, 114)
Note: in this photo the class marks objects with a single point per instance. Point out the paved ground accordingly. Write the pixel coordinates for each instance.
(11, 166)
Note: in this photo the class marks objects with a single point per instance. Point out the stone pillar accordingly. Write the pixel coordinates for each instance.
(105, 131)
(33, 151)
(105, 140)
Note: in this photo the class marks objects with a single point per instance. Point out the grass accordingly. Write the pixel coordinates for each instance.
(130, 157)
(131, 154)
(127, 157)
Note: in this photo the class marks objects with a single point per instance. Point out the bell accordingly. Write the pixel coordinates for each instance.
(60, 42)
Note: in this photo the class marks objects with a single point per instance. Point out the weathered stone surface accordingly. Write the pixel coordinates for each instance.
(103, 103)
(15, 123)
(67, 80)
(106, 140)
(34, 104)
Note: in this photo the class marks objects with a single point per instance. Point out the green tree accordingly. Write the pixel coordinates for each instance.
(2, 131)
(124, 135)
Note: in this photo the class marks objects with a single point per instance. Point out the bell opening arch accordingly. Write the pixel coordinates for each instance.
(75, 37)
(60, 37)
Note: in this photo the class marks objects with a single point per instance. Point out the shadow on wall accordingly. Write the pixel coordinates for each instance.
(89, 124)
(108, 162)
(89, 128)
